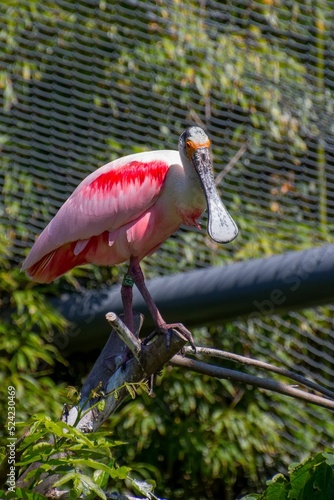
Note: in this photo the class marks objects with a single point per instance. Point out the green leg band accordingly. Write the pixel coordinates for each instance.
(127, 281)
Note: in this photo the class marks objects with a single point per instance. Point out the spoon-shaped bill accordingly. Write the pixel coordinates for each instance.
(221, 226)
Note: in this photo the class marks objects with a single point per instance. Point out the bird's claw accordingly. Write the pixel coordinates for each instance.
(179, 329)
(166, 329)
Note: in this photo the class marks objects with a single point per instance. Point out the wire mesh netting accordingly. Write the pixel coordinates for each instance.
(84, 83)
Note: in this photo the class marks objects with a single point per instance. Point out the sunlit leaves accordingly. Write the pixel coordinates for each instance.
(27, 355)
(314, 478)
(81, 463)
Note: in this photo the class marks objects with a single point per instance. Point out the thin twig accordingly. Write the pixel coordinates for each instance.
(244, 378)
(216, 353)
(194, 116)
(220, 177)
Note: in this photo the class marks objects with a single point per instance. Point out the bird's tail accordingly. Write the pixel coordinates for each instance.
(55, 264)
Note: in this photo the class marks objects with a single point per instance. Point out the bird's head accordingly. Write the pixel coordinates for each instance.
(192, 139)
(194, 149)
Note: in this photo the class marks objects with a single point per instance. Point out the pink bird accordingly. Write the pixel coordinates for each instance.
(126, 209)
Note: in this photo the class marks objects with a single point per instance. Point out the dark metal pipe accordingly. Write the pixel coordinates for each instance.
(213, 295)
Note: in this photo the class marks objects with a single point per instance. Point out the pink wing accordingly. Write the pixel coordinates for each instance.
(110, 197)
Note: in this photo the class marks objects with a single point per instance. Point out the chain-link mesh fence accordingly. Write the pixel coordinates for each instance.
(85, 82)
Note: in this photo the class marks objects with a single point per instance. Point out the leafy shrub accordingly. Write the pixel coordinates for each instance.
(312, 479)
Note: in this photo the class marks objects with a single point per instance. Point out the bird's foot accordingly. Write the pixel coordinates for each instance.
(179, 329)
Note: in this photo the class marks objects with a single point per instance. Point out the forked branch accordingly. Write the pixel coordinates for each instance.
(244, 378)
(115, 368)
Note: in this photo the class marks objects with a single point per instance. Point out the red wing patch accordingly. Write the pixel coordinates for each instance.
(135, 172)
(61, 260)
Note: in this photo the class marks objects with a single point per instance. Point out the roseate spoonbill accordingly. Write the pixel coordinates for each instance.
(126, 209)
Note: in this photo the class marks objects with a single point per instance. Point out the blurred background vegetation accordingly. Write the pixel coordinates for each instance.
(84, 83)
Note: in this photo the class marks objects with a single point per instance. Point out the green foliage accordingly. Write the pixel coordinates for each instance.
(83, 464)
(22, 494)
(312, 479)
(27, 356)
(228, 71)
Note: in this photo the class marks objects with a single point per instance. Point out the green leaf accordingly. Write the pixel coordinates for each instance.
(31, 438)
(101, 404)
(276, 491)
(121, 472)
(61, 429)
(77, 487)
(89, 483)
(93, 464)
(321, 482)
(22, 494)
(66, 478)
(131, 390)
(101, 478)
(329, 458)
(144, 487)
(301, 473)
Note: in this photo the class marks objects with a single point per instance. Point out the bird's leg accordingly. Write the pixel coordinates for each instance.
(138, 278)
(126, 293)
(160, 324)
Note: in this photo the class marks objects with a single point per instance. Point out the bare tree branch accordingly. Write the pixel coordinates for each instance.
(242, 150)
(244, 378)
(112, 372)
(216, 353)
